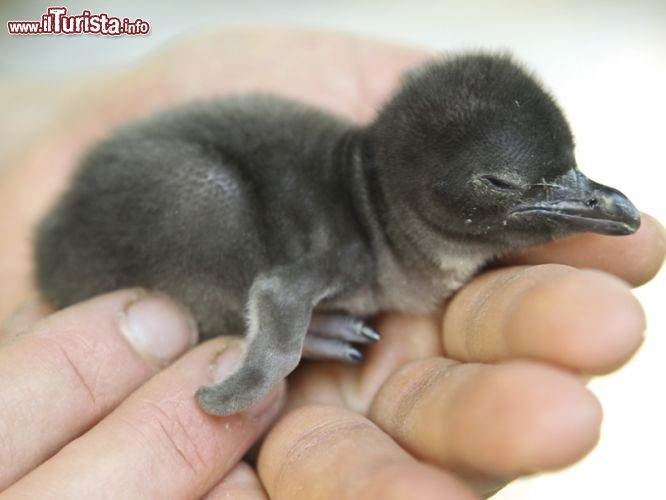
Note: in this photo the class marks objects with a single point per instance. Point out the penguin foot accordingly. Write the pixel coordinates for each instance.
(330, 336)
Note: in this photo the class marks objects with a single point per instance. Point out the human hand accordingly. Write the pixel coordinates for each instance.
(436, 410)
(87, 413)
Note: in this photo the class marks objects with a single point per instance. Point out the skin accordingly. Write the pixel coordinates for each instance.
(452, 405)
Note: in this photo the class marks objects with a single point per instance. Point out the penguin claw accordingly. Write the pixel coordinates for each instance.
(343, 327)
(370, 333)
(355, 356)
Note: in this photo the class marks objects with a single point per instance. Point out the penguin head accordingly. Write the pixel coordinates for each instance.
(478, 151)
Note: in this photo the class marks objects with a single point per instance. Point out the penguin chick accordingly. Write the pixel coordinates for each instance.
(252, 211)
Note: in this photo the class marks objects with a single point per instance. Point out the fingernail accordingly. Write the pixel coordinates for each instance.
(226, 361)
(158, 328)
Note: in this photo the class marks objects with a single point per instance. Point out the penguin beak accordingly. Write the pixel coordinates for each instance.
(579, 204)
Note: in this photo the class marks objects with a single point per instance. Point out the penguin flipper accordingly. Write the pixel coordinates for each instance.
(279, 308)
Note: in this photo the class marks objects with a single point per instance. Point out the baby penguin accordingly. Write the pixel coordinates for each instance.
(254, 211)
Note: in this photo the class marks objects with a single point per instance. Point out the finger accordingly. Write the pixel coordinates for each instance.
(242, 483)
(635, 258)
(327, 452)
(489, 423)
(158, 443)
(584, 320)
(74, 367)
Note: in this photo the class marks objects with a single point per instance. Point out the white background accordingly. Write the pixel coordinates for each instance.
(606, 63)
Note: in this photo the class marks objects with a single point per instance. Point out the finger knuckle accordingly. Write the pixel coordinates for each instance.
(77, 360)
(171, 431)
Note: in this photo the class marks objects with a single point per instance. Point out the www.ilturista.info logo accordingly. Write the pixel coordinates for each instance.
(57, 22)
